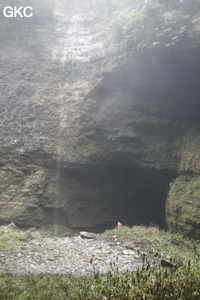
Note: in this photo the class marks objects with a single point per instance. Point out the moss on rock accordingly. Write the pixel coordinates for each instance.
(183, 203)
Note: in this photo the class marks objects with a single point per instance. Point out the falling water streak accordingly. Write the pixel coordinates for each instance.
(57, 194)
(69, 54)
(74, 46)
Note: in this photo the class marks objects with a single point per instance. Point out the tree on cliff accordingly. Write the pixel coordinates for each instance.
(133, 25)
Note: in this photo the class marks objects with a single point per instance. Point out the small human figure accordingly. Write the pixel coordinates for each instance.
(119, 224)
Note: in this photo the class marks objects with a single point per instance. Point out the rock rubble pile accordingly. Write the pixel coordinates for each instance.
(78, 255)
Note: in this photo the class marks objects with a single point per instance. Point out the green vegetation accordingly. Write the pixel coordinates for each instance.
(183, 205)
(155, 282)
(133, 26)
(164, 243)
(11, 239)
(56, 231)
(152, 284)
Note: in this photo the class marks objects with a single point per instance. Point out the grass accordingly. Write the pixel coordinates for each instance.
(57, 231)
(156, 283)
(9, 238)
(164, 243)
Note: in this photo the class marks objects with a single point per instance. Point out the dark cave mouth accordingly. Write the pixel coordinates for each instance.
(144, 199)
(131, 195)
(147, 204)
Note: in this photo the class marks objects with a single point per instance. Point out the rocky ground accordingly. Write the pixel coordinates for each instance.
(83, 254)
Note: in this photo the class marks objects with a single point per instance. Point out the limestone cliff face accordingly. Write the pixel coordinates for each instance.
(182, 206)
(86, 139)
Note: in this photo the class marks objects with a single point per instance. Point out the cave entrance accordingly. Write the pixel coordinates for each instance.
(137, 196)
(144, 201)
(94, 198)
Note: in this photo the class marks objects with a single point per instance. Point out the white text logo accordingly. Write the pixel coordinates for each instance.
(14, 12)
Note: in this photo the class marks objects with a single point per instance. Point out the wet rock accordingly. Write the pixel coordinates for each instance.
(129, 245)
(12, 226)
(88, 235)
(128, 252)
(167, 263)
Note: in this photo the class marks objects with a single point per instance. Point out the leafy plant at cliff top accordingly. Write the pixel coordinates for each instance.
(138, 25)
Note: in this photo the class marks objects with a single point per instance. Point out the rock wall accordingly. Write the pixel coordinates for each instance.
(183, 202)
(87, 140)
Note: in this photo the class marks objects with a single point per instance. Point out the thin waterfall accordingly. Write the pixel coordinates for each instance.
(73, 48)
(57, 199)
(69, 50)
(75, 44)
(57, 191)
